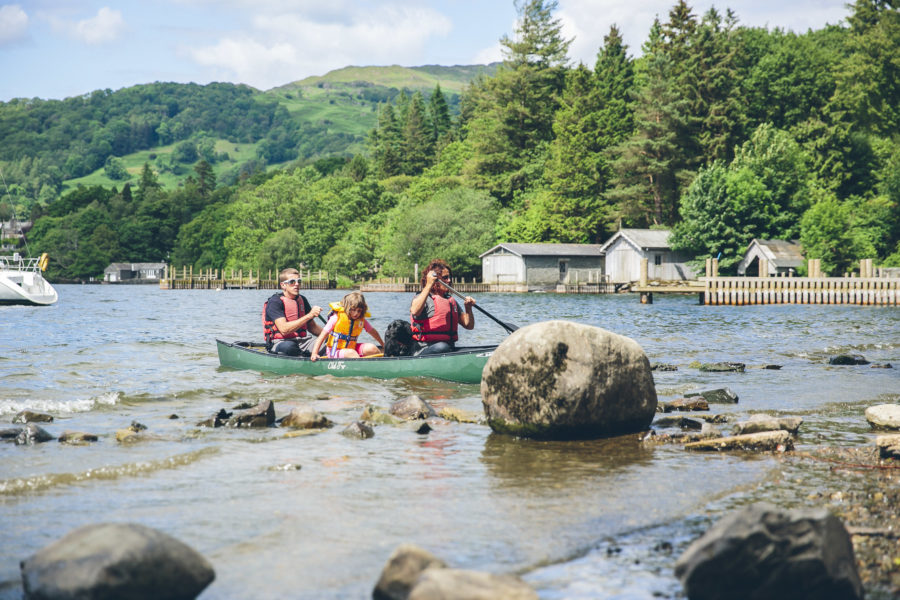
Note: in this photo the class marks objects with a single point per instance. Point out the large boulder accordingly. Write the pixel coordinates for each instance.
(564, 380)
(762, 551)
(116, 560)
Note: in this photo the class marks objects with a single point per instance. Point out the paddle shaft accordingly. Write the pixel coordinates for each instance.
(507, 326)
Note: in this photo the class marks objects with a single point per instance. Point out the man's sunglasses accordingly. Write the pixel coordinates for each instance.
(291, 281)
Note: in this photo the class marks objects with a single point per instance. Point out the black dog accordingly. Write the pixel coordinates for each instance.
(398, 339)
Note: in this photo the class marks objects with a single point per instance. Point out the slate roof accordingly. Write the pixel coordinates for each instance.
(780, 252)
(548, 249)
(646, 239)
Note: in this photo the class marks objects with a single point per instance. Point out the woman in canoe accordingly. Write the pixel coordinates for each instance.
(435, 314)
(345, 323)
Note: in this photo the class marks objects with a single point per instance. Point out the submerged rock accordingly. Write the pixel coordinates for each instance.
(306, 417)
(412, 408)
(77, 437)
(451, 413)
(116, 560)
(358, 430)
(760, 423)
(373, 414)
(10, 434)
(888, 446)
(762, 551)
(442, 584)
(565, 380)
(402, 571)
(261, 415)
(27, 416)
(684, 405)
(220, 419)
(848, 359)
(716, 396)
(765, 441)
(723, 367)
(32, 434)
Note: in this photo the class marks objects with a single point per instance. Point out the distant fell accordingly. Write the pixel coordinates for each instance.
(453, 79)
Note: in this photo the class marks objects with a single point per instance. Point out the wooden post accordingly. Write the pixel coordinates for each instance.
(645, 263)
(708, 267)
(715, 267)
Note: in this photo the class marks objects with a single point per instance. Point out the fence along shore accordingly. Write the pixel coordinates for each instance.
(869, 287)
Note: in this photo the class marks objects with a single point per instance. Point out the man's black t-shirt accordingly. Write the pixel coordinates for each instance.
(275, 307)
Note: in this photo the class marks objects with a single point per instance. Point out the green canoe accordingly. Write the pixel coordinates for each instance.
(464, 365)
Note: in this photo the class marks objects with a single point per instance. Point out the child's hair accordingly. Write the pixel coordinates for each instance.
(354, 300)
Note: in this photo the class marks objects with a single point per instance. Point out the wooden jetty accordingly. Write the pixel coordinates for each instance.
(864, 289)
(403, 284)
(215, 279)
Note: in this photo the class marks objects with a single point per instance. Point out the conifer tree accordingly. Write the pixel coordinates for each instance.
(441, 123)
(417, 145)
(513, 119)
(385, 142)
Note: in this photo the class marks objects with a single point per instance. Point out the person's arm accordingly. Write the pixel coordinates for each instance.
(418, 302)
(467, 319)
(329, 327)
(285, 326)
(374, 333)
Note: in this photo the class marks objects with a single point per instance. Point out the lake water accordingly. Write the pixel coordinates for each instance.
(580, 520)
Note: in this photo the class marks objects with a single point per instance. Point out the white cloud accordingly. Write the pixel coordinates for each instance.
(283, 47)
(106, 26)
(13, 23)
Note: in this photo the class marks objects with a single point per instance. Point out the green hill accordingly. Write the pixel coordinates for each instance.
(51, 146)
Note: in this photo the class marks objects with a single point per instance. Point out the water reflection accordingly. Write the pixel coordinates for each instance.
(519, 462)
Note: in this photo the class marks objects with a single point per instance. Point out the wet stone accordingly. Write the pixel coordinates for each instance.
(767, 441)
(10, 434)
(261, 415)
(716, 396)
(848, 359)
(772, 367)
(760, 423)
(402, 571)
(27, 416)
(77, 437)
(681, 422)
(723, 367)
(662, 367)
(412, 408)
(888, 446)
(305, 417)
(358, 430)
(33, 434)
(684, 404)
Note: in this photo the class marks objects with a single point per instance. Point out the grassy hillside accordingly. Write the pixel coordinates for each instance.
(344, 102)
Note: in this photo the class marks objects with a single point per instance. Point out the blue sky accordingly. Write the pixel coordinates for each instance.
(62, 48)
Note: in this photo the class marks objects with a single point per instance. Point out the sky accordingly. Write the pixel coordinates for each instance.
(54, 49)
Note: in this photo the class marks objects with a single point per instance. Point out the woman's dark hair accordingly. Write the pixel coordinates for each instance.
(434, 265)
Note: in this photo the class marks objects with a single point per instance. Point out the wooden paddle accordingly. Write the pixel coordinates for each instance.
(507, 326)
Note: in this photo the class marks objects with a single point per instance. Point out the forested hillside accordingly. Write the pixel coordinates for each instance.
(720, 131)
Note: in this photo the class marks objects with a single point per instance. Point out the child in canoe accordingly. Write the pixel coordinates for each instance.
(346, 321)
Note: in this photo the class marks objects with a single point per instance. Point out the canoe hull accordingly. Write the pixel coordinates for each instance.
(464, 365)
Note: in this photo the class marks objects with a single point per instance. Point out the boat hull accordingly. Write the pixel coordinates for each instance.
(25, 287)
(464, 365)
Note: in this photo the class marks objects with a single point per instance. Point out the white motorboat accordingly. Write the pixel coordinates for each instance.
(22, 281)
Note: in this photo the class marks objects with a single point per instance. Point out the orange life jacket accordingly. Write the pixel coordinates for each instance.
(293, 310)
(442, 326)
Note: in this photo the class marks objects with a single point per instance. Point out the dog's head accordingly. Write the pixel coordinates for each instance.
(398, 339)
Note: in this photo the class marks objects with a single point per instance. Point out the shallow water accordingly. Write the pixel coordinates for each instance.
(575, 520)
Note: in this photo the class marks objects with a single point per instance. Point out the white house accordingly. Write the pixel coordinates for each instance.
(542, 266)
(782, 257)
(134, 272)
(625, 249)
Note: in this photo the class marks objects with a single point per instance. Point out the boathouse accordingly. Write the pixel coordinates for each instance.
(625, 249)
(541, 267)
(782, 257)
(134, 272)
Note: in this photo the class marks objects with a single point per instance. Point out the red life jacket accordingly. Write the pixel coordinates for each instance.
(293, 310)
(442, 326)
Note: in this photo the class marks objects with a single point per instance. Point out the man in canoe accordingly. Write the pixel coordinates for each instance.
(435, 313)
(289, 323)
